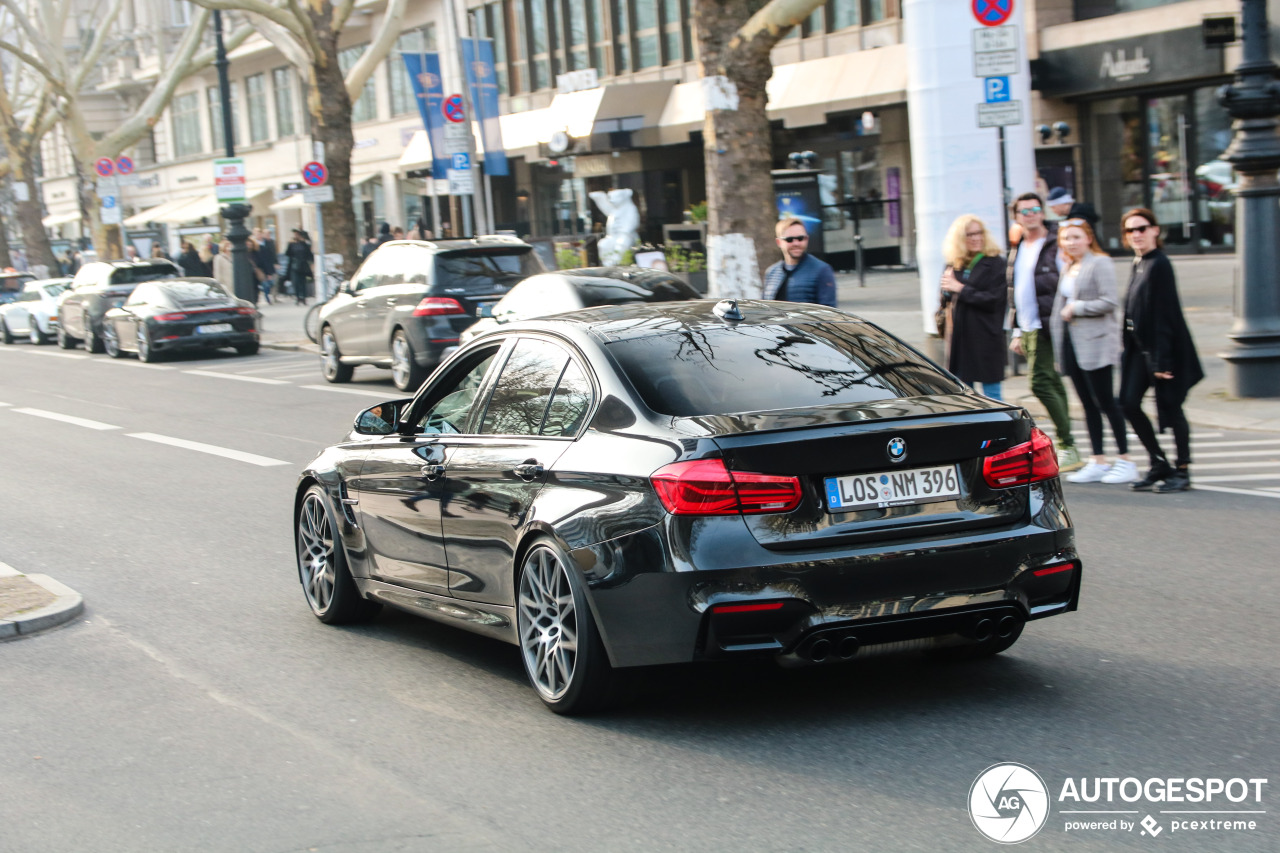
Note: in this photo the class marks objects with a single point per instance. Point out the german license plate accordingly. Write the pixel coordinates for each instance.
(213, 329)
(892, 488)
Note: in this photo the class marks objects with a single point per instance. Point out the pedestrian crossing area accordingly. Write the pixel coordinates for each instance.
(1231, 461)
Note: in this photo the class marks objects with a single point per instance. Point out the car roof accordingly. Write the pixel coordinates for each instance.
(588, 276)
(141, 262)
(485, 241)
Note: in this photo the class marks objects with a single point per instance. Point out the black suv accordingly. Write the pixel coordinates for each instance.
(411, 299)
(97, 288)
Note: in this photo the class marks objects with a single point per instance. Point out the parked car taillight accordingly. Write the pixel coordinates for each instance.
(1029, 462)
(707, 487)
(170, 318)
(437, 306)
(248, 312)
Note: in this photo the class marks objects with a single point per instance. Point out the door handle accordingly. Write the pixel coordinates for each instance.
(430, 472)
(528, 470)
(391, 300)
(360, 303)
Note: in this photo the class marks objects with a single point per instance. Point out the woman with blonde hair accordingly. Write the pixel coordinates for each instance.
(1085, 327)
(223, 269)
(974, 294)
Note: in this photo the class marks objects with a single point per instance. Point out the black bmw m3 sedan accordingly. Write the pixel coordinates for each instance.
(622, 487)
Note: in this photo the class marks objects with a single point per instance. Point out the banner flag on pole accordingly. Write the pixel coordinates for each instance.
(428, 93)
(477, 58)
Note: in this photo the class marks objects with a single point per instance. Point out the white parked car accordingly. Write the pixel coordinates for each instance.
(33, 312)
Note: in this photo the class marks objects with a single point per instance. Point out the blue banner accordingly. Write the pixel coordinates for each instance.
(428, 93)
(477, 58)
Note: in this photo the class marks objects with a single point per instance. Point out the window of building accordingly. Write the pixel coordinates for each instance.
(255, 88)
(422, 40)
(518, 47)
(621, 37)
(814, 24)
(844, 13)
(179, 13)
(539, 45)
(185, 111)
(599, 46)
(215, 117)
(874, 10)
(672, 40)
(1086, 9)
(494, 24)
(578, 35)
(646, 20)
(282, 83)
(366, 106)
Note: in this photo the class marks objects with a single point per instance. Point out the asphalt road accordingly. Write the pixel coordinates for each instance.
(199, 706)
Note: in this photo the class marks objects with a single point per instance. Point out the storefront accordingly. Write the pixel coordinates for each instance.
(1152, 134)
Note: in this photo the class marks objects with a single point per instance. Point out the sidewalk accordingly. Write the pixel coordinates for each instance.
(33, 603)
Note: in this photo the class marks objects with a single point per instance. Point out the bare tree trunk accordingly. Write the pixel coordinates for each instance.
(34, 236)
(6, 257)
(737, 148)
(331, 124)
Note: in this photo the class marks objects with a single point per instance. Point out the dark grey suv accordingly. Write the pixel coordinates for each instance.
(411, 299)
(97, 288)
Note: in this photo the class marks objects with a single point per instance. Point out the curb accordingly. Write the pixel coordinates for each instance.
(67, 605)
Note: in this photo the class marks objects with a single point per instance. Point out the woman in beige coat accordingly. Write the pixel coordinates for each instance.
(223, 269)
(1085, 325)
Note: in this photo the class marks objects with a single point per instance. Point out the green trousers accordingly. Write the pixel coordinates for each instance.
(1046, 384)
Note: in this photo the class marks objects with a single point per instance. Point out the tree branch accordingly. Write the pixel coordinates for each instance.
(768, 26)
(377, 51)
(89, 61)
(285, 42)
(261, 8)
(315, 52)
(341, 14)
(37, 65)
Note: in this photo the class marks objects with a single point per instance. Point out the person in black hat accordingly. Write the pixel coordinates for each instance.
(1064, 206)
(299, 270)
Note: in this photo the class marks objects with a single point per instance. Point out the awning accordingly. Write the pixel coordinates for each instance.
(634, 107)
(157, 213)
(53, 220)
(209, 206)
(290, 202)
(417, 154)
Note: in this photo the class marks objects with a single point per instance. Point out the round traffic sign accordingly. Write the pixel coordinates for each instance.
(105, 167)
(124, 166)
(453, 109)
(992, 13)
(314, 174)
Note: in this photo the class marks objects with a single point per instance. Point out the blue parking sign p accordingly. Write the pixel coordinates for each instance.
(461, 162)
(996, 89)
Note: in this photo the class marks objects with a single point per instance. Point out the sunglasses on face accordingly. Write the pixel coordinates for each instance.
(1138, 229)
(974, 233)
(794, 239)
(1027, 211)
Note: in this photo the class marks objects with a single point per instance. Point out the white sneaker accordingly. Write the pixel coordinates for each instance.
(1122, 471)
(1094, 472)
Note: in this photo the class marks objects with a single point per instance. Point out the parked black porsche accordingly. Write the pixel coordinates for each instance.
(649, 484)
(180, 315)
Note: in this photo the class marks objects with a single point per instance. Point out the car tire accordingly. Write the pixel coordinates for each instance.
(560, 646)
(92, 340)
(5, 335)
(65, 341)
(111, 341)
(976, 650)
(330, 591)
(38, 337)
(406, 373)
(145, 352)
(247, 349)
(331, 366)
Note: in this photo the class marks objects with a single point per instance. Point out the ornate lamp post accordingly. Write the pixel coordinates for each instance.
(245, 287)
(1253, 101)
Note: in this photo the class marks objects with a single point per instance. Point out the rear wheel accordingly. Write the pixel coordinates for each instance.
(563, 655)
(111, 341)
(145, 353)
(38, 337)
(247, 349)
(322, 566)
(331, 366)
(92, 341)
(64, 340)
(406, 373)
(5, 335)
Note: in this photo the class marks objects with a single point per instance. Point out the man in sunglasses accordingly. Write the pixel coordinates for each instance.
(1033, 270)
(799, 276)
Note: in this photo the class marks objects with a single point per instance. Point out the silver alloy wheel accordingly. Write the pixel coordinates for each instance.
(329, 354)
(547, 620)
(144, 344)
(110, 340)
(401, 353)
(315, 554)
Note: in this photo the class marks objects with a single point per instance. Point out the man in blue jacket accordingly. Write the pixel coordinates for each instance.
(799, 276)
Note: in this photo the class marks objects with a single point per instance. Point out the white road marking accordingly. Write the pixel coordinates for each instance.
(383, 394)
(1232, 479)
(124, 363)
(1210, 445)
(310, 373)
(1251, 492)
(67, 419)
(289, 365)
(78, 355)
(219, 375)
(5, 404)
(212, 449)
(1223, 466)
(1198, 454)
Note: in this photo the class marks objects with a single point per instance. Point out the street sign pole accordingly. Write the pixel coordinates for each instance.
(451, 21)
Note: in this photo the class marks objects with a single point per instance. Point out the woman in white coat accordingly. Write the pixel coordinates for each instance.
(1086, 330)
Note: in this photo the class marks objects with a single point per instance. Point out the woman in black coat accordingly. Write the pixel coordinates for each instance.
(1159, 351)
(975, 295)
(300, 257)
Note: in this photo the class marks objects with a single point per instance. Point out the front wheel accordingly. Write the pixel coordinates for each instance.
(65, 341)
(322, 566)
(38, 337)
(563, 654)
(406, 373)
(111, 340)
(5, 335)
(92, 340)
(145, 352)
(331, 366)
(311, 323)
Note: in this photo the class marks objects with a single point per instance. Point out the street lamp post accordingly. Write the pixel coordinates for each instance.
(1253, 100)
(235, 213)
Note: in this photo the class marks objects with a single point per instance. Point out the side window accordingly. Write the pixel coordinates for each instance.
(523, 390)
(370, 273)
(570, 403)
(28, 296)
(452, 410)
(140, 296)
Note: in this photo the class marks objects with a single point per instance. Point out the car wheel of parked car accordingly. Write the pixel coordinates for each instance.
(406, 373)
(993, 645)
(5, 335)
(38, 337)
(563, 654)
(247, 349)
(111, 341)
(145, 353)
(322, 566)
(92, 340)
(331, 366)
(64, 340)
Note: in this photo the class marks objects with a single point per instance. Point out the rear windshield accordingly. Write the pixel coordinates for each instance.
(483, 274)
(748, 368)
(595, 294)
(133, 275)
(184, 293)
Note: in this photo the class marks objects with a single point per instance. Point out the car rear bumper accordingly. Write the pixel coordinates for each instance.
(199, 342)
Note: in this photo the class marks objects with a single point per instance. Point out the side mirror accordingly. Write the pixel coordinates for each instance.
(382, 418)
(345, 287)
(485, 310)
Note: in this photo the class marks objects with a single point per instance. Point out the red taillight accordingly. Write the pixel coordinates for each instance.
(170, 318)
(249, 312)
(1053, 570)
(437, 306)
(1029, 462)
(746, 608)
(706, 487)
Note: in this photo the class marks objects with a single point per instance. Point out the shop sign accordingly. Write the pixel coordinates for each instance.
(1148, 60)
(1118, 67)
(577, 81)
(600, 165)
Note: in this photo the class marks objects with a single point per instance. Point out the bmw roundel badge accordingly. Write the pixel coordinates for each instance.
(897, 450)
